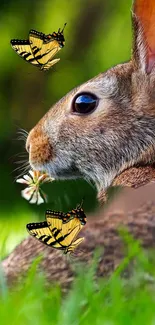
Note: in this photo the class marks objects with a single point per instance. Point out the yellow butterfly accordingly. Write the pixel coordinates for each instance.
(40, 49)
(57, 234)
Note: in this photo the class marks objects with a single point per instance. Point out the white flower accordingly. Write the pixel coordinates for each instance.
(33, 193)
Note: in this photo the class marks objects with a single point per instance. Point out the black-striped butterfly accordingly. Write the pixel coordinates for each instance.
(40, 49)
(57, 234)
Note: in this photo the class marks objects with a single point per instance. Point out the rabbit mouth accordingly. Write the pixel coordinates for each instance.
(65, 173)
(57, 172)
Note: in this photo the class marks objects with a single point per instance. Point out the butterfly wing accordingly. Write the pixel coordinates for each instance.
(74, 245)
(54, 219)
(64, 233)
(72, 234)
(65, 237)
(71, 224)
(43, 47)
(23, 49)
(36, 40)
(48, 65)
(57, 215)
(41, 231)
(55, 225)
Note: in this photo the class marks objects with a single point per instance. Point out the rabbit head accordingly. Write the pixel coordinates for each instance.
(106, 125)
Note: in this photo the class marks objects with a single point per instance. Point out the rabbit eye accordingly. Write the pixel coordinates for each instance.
(84, 103)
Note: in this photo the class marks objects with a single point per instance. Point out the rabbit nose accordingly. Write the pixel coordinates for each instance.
(39, 147)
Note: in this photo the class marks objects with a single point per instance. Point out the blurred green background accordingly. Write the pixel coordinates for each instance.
(98, 36)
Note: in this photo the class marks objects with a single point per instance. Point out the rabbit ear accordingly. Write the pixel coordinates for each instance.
(144, 34)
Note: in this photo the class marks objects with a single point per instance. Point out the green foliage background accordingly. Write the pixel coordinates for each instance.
(98, 36)
(115, 300)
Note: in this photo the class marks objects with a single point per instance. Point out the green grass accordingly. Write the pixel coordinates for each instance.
(116, 300)
(13, 228)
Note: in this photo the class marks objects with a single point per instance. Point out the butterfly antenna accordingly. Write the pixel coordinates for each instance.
(79, 206)
(63, 28)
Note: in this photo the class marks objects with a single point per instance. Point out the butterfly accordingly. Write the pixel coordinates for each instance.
(66, 217)
(56, 234)
(40, 49)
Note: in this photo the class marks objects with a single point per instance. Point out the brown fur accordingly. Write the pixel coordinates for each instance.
(42, 150)
(136, 177)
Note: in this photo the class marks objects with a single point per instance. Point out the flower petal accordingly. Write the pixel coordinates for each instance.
(34, 198)
(40, 199)
(21, 180)
(27, 178)
(31, 172)
(27, 193)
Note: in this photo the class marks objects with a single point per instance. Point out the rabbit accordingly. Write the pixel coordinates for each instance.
(104, 131)
(106, 125)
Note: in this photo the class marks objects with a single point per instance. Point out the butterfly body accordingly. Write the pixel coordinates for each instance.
(40, 48)
(78, 213)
